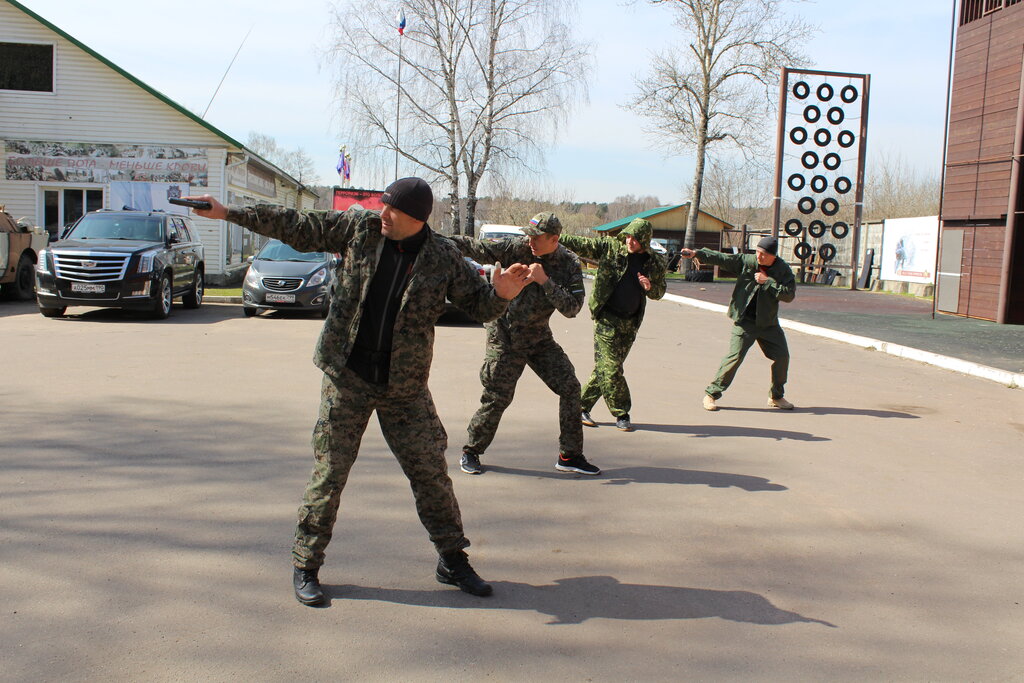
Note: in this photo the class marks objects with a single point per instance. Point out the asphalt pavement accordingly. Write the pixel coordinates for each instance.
(150, 472)
(899, 321)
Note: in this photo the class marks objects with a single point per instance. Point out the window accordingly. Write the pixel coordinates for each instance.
(26, 66)
(172, 229)
(186, 230)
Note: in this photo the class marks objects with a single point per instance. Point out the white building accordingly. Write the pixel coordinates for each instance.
(78, 133)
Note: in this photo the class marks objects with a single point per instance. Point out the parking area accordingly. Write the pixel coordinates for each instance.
(150, 472)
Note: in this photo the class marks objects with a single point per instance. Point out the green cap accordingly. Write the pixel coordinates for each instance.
(545, 223)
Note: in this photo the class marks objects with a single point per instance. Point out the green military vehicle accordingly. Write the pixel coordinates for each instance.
(19, 250)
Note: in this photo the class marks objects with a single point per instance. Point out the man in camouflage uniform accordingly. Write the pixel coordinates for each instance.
(522, 336)
(375, 350)
(763, 281)
(628, 273)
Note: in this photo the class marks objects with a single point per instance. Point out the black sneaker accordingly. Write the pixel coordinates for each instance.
(471, 463)
(587, 420)
(576, 463)
(454, 570)
(624, 424)
(307, 586)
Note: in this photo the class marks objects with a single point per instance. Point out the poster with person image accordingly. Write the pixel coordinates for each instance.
(908, 249)
(137, 196)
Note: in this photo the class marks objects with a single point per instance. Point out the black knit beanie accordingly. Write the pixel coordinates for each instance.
(412, 196)
(769, 244)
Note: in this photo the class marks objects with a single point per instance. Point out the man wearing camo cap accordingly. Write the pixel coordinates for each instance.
(522, 336)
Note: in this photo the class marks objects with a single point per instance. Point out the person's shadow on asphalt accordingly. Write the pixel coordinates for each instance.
(705, 431)
(575, 600)
(621, 476)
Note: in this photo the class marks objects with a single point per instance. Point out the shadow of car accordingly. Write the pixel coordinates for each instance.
(281, 278)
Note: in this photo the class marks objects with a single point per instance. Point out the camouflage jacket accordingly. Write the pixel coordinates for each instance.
(781, 285)
(525, 323)
(610, 254)
(439, 271)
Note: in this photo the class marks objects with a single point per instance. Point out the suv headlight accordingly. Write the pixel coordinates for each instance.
(146, 260)
(43, 265)
(318, 278)
(252, 278)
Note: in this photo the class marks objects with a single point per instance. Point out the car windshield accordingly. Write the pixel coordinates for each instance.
(276, 250)
(118, 227)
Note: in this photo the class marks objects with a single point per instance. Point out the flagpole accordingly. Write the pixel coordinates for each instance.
(398, 100)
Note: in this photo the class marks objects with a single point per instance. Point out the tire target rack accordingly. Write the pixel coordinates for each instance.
(819, 164)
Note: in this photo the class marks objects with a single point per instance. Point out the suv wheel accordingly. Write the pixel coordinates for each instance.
(24, 279)
(164, 297)
(53, 312)
(250, 311)
(194, 298)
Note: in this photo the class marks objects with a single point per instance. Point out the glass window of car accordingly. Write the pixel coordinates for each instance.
(118, 226)
(185, 229)
(173, 233)
(276, 250)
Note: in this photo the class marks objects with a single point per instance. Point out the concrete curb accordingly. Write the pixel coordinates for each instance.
(223, 299)
(1012, 380)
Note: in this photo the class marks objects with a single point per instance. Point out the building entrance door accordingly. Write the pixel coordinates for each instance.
(65, 205)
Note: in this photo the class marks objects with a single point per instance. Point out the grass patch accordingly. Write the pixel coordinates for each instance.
(217, 291)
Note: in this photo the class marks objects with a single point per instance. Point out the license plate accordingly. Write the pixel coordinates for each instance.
(280, 298)
(87, 288)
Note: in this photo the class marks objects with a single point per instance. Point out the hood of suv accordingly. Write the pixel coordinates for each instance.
(286, 268)
(122, 246)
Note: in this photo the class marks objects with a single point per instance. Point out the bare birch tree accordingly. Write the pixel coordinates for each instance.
(294, 162)
(481, 82)
(717, 89)
(894, 190)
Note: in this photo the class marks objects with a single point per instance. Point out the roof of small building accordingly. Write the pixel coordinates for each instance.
(623, 222)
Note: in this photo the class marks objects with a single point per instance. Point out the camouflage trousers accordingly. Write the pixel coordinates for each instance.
(415, 435)
(613, 338)
(502, 368)
(772, 341)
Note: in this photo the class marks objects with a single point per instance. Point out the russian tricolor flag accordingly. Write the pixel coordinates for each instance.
(401, 22)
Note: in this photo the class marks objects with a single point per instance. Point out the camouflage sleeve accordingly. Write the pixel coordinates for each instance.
(471, 293)
(567, 298)
(482, 252)
(731, 262)
(586, 247)
(656, 274)
(303, 230)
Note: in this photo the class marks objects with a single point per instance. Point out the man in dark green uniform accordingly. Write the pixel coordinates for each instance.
(522, 336)
(762, 281)
(375, 350)
(628, 273)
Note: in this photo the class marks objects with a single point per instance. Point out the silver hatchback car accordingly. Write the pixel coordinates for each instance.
(282, 278)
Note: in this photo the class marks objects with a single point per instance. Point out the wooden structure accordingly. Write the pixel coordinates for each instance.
(669, 223)
(981, 259)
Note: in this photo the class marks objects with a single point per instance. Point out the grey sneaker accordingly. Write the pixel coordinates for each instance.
(709, 402)
(780, 403)
(623, 424)
(587, 420)
(471, 463)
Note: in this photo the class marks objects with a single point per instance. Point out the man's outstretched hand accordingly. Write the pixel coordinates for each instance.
(217, 210)
(510, 281)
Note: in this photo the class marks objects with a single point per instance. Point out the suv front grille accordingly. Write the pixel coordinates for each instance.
(90, 266)
(281, 284)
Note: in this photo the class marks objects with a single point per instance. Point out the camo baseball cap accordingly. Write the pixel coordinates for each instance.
(544, 224)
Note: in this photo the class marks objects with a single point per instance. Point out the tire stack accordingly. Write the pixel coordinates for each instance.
(820, 164)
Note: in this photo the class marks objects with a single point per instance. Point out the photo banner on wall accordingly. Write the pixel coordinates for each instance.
(137, 196)
(101, 163)
(908, 249)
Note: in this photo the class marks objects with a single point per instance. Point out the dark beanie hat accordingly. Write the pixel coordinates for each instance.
(412, 196)
(769, 244)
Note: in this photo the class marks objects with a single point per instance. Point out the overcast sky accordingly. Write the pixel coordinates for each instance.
(279, 87)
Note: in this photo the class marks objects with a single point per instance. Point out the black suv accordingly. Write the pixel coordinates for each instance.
(122, 259)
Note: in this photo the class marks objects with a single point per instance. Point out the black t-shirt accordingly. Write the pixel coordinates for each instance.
(371, 354)
(628, 295)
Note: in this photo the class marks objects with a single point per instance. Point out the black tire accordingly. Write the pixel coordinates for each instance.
(832, 161)
(803, 251)
(836, 116)
(825, 92)
(846, 138)
(827, 252)
(194, 297)
(164, 298)
(801, 90)
(848, 94)
(798, 135)
(819, 184)
(840, 229)
(811, 113)
(843, 184)
(806, 205)
(817, 229)
(809, 160)
(796, 182)
(793, 227)
(53, 312)
(23, 287)
(829, 206)
(250, 311)
(822, 137)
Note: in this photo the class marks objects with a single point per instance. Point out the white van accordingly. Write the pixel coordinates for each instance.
(494, 232)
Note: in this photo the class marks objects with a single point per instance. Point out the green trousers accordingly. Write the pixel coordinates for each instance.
(613, 338)
(415, 435)
(772, 341)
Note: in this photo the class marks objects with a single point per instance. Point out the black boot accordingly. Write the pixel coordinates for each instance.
(307, 586)
(453, 569)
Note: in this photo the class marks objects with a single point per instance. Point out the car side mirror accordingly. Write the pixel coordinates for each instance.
(251, 259)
